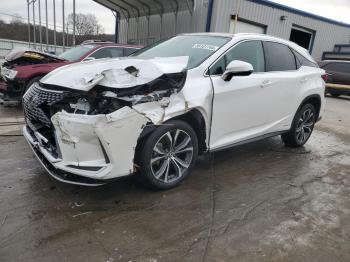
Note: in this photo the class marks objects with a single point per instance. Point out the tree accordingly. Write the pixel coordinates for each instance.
(85, 24)
(16, 19)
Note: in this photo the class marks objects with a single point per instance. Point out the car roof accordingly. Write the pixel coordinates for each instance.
(99, 44)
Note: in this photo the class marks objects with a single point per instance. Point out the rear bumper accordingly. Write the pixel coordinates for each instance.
(338, 89)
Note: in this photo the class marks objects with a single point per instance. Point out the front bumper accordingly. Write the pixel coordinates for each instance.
(12, 89)
(91, 149)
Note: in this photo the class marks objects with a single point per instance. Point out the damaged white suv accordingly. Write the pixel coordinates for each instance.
(154, 112)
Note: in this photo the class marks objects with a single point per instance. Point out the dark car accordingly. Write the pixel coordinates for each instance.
(23, 67)
(338, 71)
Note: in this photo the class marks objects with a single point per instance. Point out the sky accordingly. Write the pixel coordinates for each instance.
(334, 9)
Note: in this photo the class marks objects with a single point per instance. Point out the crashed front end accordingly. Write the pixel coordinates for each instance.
(85, 130)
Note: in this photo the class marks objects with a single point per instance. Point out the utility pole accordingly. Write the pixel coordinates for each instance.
(40, 36)
(47, 28)
(28, 23)
(54, 25)
(73, 22)
(34, 36)
(63, 40)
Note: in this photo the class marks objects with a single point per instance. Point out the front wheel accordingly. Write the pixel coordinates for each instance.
(302, 127)
(168, 155)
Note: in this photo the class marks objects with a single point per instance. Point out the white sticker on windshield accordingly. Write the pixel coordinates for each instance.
(206, 47)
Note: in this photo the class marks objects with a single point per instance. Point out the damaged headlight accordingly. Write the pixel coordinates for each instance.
(8, 73)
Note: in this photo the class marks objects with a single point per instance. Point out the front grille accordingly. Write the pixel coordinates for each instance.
(37, 102)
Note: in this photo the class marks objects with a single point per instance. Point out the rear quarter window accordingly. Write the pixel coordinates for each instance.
(278, 57)
(129, 51)
(303, 61)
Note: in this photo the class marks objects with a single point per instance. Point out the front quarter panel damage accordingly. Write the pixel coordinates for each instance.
(101, 117)
(103, 140)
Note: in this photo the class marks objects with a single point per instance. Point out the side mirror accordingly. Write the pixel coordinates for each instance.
(89, 58)
(237, 68)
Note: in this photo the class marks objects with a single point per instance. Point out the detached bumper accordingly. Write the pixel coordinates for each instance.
(91, 150)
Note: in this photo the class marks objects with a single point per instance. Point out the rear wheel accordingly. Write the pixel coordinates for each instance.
(302, 127)
(334, 95)
(168, 155)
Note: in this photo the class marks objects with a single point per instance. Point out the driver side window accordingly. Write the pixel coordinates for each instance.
(249, 51)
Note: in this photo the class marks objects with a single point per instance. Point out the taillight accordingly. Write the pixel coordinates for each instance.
(325, 77)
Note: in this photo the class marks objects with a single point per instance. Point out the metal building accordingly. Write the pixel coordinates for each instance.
(147, 21)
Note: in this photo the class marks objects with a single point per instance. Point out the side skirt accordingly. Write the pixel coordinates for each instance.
(250, 140)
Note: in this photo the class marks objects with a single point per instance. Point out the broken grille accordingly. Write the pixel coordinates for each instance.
(37, 102)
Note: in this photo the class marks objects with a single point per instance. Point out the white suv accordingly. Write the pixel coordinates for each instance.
(154, 112)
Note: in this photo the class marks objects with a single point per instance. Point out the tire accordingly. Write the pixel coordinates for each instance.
(302, 127)
(334, 95)
(160, 166)
(31, 81)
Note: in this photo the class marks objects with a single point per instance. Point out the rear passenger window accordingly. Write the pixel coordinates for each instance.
(101, 53)
(116, 51)
(249, 51)
(302, 61)
(129, 51)
(278, 57)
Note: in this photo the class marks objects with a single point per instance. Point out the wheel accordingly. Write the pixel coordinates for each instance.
(302, 127)
(168, 155)
(31, 81)
(334, 95)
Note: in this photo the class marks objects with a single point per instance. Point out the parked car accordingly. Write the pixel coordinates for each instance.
(23, 67)
(154, 112)
(338, 82)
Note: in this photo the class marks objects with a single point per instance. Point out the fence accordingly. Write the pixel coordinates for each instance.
(6, 45)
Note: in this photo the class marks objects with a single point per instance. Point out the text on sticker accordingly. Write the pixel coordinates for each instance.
(206, 47)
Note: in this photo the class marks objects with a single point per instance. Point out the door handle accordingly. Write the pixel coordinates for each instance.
(303, 80)
(265, 83)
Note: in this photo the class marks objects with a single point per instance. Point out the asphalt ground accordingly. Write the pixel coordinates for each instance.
(255, 202)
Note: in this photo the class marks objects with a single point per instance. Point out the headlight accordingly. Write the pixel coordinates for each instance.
(8, 73)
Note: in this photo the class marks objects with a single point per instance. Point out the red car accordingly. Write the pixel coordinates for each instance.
(24, 67)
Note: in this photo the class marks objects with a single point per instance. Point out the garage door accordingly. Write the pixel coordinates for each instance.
(244, 27)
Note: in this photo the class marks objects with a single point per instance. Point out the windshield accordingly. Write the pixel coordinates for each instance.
(196, 47)
(76, 53)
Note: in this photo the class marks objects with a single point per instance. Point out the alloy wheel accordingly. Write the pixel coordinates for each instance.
(171, 156)
(305, 125)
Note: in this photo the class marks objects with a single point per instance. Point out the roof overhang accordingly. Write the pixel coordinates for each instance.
(145, 8)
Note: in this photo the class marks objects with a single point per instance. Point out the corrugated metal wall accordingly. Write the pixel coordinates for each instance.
(327, 34)
(185, 24)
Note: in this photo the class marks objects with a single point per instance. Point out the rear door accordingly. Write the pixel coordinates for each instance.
(284, 84)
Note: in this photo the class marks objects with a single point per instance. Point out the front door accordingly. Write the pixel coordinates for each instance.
(251, 106)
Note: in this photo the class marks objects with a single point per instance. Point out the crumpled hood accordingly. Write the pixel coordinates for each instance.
(114, 73)
(29, 54)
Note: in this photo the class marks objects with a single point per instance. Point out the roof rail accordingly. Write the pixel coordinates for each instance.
(94, 41)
